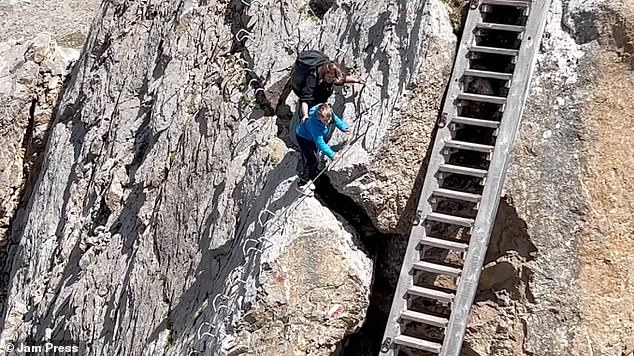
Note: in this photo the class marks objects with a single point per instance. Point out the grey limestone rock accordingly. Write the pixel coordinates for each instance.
(155, 174)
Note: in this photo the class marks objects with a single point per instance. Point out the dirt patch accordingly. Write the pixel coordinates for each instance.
(606, 259)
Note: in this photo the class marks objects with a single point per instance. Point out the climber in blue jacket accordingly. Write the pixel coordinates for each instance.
(311, 135)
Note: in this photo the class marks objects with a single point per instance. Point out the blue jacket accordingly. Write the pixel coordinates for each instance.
(312, 129)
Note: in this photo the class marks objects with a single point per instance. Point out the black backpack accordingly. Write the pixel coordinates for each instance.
(306, 63)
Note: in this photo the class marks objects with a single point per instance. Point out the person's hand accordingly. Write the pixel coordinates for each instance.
(354, 79)
(336, 156)
(357, 79)
(349, 134)
(304, 119)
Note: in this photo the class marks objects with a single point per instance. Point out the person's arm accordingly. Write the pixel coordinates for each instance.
(303, 110)
(323, 146)
(341, 125)
(353, 79)
(307, 94)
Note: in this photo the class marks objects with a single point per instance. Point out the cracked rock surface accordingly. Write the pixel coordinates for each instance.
(147, 208)
(404, 49)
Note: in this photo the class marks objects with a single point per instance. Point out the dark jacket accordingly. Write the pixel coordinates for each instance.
(305, 79)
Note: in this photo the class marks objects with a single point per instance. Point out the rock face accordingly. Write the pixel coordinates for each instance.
(151, 201)
(31, 77)
(382, 168)
(557, 280)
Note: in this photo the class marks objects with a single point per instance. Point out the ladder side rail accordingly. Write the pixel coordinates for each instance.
(497, 173)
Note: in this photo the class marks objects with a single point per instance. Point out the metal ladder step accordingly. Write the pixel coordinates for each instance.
(494, 50)
(463, 145)
(500, 27)
(446, 244)
(488, 74)
(475, 122)
(450, 219)
(437, 269)
(482, 98)
(458, 195)
(431, 294)
(418, 344)
(424, 318)
(516, 3)
(474, 172)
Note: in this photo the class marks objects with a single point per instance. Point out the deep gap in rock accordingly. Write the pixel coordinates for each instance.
(498, 38)
(320, 7)
(492, 62)
(480, 110)
(367, 340)
(485, 86)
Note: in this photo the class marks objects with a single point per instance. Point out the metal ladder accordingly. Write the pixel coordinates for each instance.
(455, 216)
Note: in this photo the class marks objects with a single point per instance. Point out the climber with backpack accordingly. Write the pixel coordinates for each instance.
(312, 136)
(313, 78)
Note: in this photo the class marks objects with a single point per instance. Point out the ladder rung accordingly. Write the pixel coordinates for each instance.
(483, 98)
(500, 27)
(446, 244)
(458, 195)
(450, 219)
(436, 268)
(416, 343)
(488, 74)
(463, 145)
(516, 3)
(494, 50)
(474, 172)
(475, 122)
(424, 318)
(431, 294)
